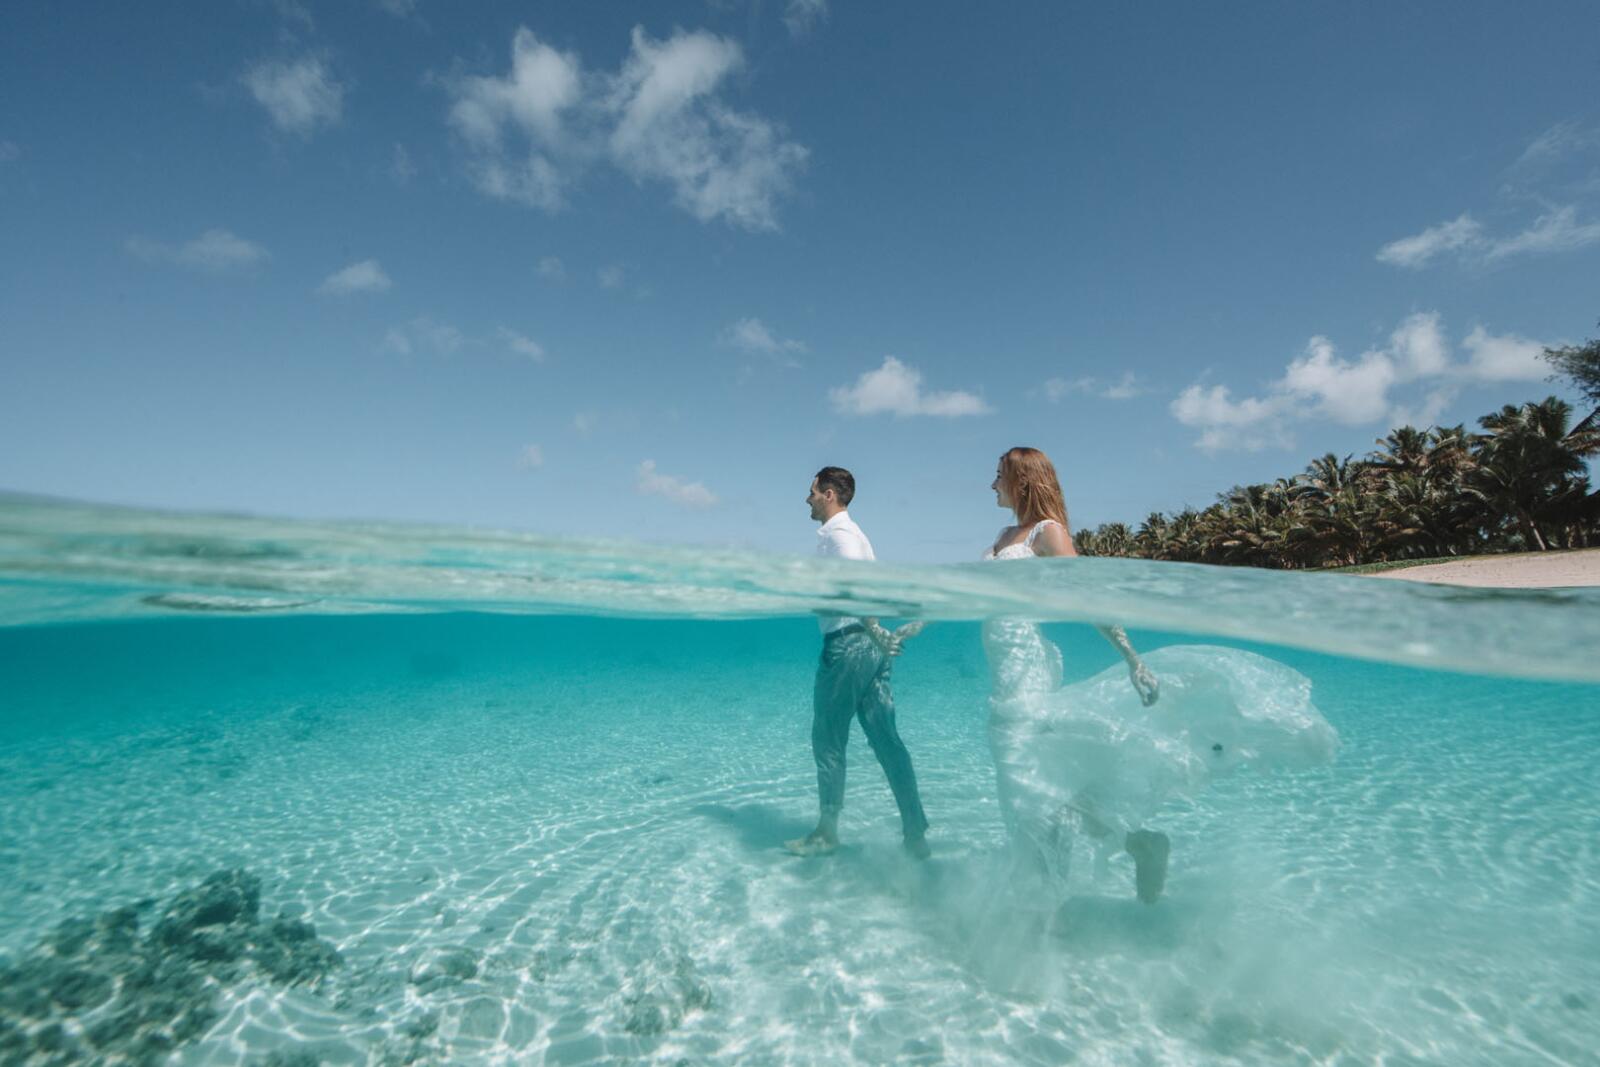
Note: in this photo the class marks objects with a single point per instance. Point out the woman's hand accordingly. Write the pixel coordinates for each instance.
(1144, 682)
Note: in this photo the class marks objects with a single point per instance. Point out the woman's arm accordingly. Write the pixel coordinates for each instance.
(1053, 540)
(1144, 682)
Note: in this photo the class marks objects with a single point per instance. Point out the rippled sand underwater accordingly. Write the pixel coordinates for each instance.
(555, 840)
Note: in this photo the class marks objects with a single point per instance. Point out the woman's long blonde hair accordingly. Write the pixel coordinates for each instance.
(1031, 483)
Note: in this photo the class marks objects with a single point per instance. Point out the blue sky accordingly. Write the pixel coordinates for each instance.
(637, 270)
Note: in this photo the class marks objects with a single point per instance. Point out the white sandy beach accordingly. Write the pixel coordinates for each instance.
(1532, 570)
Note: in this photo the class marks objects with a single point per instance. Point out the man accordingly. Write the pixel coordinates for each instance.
(853, 682)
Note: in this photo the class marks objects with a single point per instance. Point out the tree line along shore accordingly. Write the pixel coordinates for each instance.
(1519, 484)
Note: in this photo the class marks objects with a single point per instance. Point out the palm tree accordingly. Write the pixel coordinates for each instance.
(1527, 466)
(1403, 451)
(1107, 539)
(1152, 541)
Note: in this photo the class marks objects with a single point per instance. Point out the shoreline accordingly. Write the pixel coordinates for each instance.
(1560, 569)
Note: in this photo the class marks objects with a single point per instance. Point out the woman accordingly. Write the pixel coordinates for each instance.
(1095, 759)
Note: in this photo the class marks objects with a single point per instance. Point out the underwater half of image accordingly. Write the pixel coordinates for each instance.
(300, 793)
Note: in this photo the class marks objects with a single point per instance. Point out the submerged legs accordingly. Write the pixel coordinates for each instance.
(1149, 850)
(853, 681)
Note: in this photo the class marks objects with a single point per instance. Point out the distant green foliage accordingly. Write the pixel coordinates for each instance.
(1521, 484)
(1580, 365)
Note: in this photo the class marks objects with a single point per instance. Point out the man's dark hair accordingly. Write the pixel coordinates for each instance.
(841, 481)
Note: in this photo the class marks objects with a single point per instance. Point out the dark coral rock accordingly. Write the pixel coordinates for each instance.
(76, 989)
(70, 937)
(208, 935)
(118, 1029)
(118, 929)
(214, 946)
(290, 952)
(224, 898)
(24, 989)
(52, 1038)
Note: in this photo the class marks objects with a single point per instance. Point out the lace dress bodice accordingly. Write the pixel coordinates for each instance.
(1023, 549)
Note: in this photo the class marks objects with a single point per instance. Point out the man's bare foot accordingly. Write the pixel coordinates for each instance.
(1149, 850)
(816, 843)
(918, 847)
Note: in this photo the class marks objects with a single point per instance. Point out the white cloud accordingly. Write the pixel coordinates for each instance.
(1353, 392)
(752, 335)
(1559, 230)
(1125, 388)
(423, 334)
(803, 16)
(366, 276)
(610, 277)
(1558, 142)
(1321, 384)
(215, 251)
(1249, 424)
(1507, 358)
(1419, 249)
(671, 126)
(584, 422)
(402, 9)
(552, 269)
(513, 126)
(1559, 171)
(1419, 347)
(396, 340)
(651, 482)
(293, 11)
(1058, 389)
(1554, 231)
(299, 96)
(531, 458)
(1426, 413)
(9, 151)
(1347, 392)
(531, 133)
(400, 166)
(896, 389)
(521, 345)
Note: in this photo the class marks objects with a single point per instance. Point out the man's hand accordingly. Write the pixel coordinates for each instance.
(908, 631)
(892, 644)
(1144, 682)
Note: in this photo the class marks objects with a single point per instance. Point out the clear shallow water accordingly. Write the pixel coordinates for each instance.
(586, 810)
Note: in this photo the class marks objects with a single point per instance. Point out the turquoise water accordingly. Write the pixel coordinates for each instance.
(532, 794)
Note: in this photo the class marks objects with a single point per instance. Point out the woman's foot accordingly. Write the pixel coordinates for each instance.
(918, 847)
(1149, 850)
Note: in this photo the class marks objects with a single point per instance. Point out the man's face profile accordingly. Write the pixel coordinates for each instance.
(819, 501)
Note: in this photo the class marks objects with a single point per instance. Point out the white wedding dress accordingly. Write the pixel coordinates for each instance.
(1089, 762)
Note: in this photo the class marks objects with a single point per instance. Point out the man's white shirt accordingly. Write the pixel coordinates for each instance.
(841, 538)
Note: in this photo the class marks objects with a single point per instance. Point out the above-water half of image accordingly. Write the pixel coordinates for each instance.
(291, 792)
